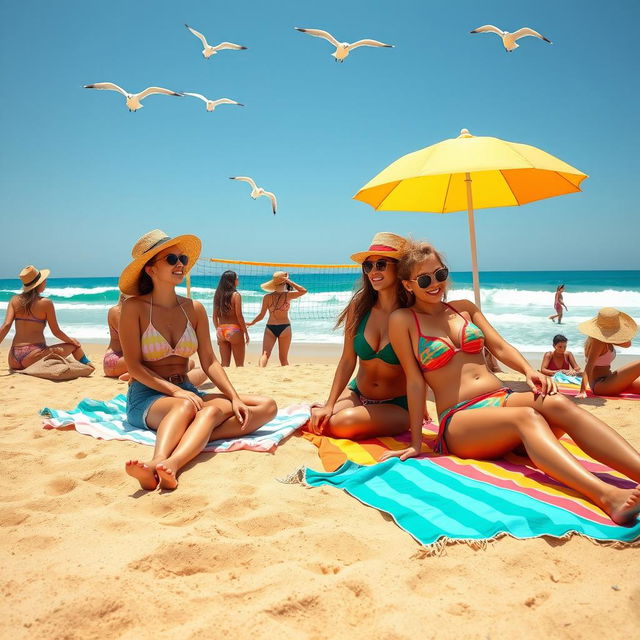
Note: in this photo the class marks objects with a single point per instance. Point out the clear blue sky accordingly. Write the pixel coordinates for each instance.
(81, 178)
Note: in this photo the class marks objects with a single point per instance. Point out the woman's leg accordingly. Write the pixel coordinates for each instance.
(225, 353)
(491, 432)
(238, 347)
(64, 349)
(215, 417)
(284, 342)
(268, 340)
(625, 379)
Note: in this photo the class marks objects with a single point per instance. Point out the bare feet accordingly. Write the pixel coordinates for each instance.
(125, 377)
(625, 508)
(143, 473)
(167, 476)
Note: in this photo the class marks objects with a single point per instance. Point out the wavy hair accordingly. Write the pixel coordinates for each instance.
(26, 300)
(224, 292)
(416, 252)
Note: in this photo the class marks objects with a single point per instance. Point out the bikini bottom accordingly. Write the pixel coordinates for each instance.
(110, 362)
(20, 352)
(277, 329)
(225, 332)
(400, 401)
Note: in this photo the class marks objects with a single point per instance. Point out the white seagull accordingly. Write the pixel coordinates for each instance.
(133, 99)
(208, 50)
(212, 104)
(509, 39)
(257, 191)
(343, 49)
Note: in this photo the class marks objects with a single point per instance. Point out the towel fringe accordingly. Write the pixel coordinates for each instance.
(298, 476)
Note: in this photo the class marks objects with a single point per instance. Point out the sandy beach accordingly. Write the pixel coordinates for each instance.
(234, 553)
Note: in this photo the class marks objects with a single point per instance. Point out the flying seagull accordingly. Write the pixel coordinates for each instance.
(212, 104)
(208, 50)
(509, 39)
(133, 99)
(343, 49)
(257, 191)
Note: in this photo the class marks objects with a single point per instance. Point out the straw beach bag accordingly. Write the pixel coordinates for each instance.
(55, 367)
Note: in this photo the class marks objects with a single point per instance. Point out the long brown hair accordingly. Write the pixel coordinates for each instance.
(362, 302)
(27, 300)
(416, 252)
(224, 292)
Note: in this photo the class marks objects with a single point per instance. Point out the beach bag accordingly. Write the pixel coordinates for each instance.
(55, 367)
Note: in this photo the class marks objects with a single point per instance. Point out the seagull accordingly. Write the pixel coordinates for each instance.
(342, 48)
(509, 39)
(212, 104)
(208, 50)
(257, 191)
(133, 99)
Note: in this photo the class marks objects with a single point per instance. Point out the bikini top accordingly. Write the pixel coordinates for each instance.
(365, 351)
(32, 319)
(435, 352)
(155, 346)
(285, 306)
(606, 358)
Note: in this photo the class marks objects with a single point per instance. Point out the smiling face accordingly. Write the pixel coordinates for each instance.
(380, 278)
(435, 291)
(161, 271)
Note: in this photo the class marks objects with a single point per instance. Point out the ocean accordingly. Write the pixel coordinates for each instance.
(517, 303)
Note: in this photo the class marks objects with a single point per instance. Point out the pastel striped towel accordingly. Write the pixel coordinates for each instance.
(570, 385)
(106, 420)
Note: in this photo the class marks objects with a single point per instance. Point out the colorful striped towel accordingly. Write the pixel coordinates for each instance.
(446, 498)
(570, 385)
(107, 420)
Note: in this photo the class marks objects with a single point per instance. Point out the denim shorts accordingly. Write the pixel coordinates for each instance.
(140, 398)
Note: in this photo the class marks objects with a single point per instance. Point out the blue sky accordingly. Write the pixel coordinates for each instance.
(81, 178)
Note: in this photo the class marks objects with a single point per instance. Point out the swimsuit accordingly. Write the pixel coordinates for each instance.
(277, 329)
(110, 362)
(435, 352)
(553, 367)
(399, 401)
(225, 332)
(21, 351)
(155, 346)
(604, 360)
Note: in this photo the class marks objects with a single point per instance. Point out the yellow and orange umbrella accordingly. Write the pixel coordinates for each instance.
(470, 172)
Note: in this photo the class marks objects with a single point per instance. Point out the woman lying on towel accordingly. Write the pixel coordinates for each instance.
(159, 330)
(374, 402)
(609, 329)
(440, 345)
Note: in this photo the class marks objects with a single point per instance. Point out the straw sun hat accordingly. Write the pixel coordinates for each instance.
(610, 325)
(32, 277)
(383, 244)
(148, 246)
(279, 278)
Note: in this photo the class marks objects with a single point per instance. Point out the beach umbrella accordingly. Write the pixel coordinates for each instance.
(467, 173)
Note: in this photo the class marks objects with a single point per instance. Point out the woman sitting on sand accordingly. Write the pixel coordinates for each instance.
(440, 345)
(558, 303)
(159, 331)
(374, 402)
(31, 313)
(277, 302)
(231, 330)
(560, 360)
(609, 329)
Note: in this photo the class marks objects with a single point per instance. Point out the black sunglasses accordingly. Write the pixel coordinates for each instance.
(380, 265)
(172, 259)
(424, 280)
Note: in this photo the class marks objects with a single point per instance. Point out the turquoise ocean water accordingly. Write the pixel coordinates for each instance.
(517, 303)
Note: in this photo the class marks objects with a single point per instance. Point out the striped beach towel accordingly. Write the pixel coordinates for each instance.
(439, 499)
(106, 420)
(570, 385)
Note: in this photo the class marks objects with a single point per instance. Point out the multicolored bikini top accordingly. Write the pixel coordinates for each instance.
(365, 351)
(155, 346)
(434, 352)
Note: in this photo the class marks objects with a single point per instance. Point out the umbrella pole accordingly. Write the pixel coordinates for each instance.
(472, 240)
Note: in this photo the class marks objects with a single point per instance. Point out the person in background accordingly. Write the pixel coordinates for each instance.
(560, 359)
(558, 303)
(231, 330)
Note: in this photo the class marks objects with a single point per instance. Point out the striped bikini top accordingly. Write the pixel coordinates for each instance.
(435, 352)
(155, 346)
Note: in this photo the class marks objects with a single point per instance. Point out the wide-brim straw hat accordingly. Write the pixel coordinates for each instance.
(610, 325)
(32, 277)
(279, 278)
(148, 246)
(383, 244)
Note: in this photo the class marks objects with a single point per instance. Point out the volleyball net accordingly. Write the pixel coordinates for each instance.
(329, 287)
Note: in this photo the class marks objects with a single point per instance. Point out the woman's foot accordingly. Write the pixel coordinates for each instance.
(143, 473)
(125, 377)
(166, 476)
(625, 506)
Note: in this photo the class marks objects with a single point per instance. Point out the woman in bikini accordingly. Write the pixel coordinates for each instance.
(440, 345)
(609, 329)
(31, 313)
(277, 302)
(231, 330)
(558, 303)
(374, 402)
(560, 359)
(159, 331)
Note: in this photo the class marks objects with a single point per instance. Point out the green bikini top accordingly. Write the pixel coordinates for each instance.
(363, 349)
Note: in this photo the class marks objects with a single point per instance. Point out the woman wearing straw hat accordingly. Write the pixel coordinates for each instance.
(374, 403)
(159, 331)
(31, 313)
(609, 329)
(277, 302)
(440, 346)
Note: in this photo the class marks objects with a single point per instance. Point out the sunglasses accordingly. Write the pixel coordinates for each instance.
(172, 259)
(424, 280)
(379, 265)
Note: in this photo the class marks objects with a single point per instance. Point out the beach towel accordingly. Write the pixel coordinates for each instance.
(570, 385)
(441, 499)
(106, 420)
